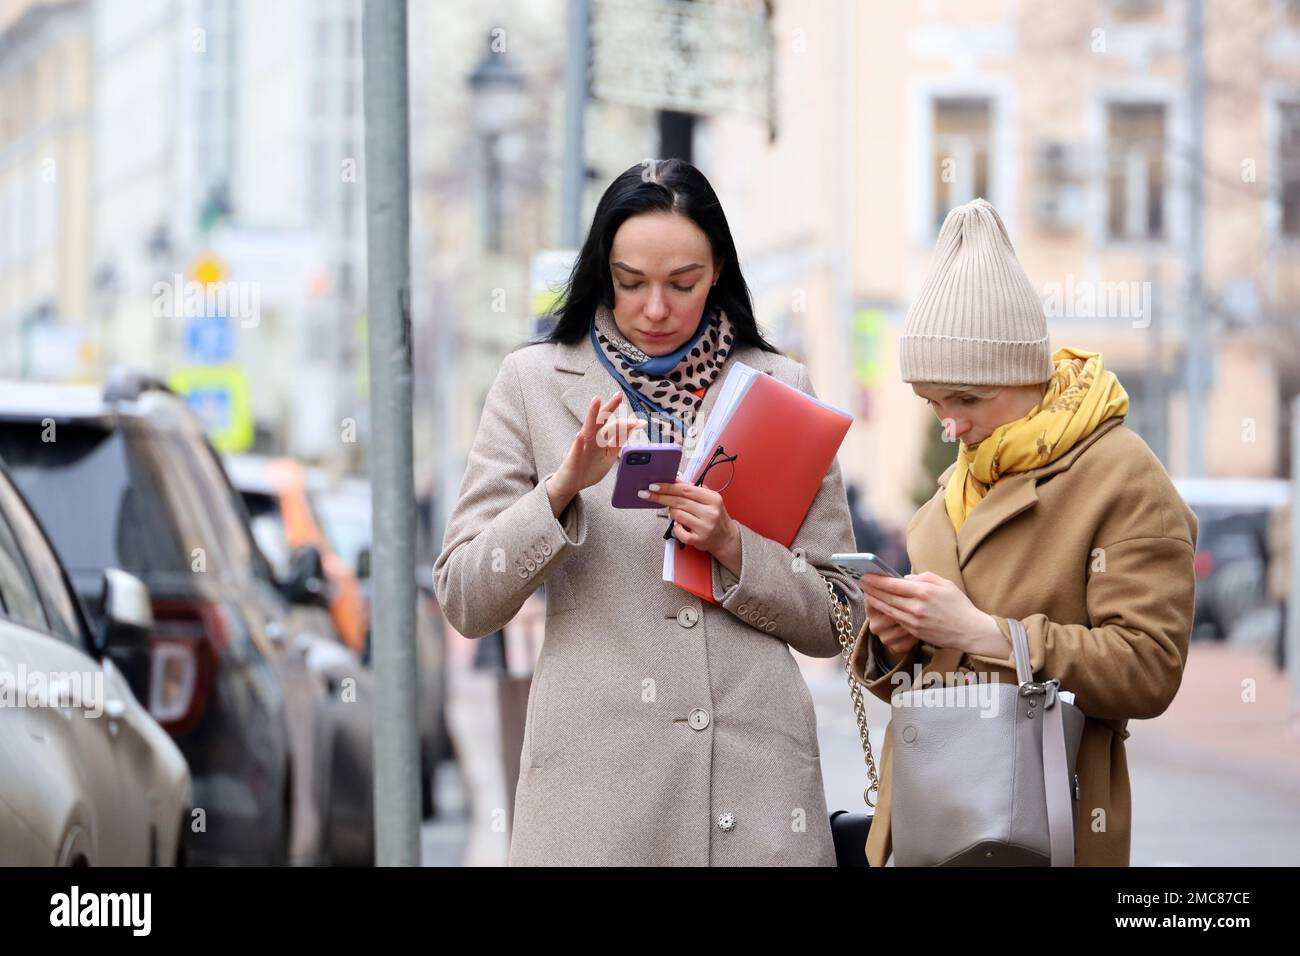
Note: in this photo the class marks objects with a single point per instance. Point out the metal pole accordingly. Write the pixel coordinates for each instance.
(575, 108)
(1196, 340)
(1292, 635)
(388, 219)
(842, 181)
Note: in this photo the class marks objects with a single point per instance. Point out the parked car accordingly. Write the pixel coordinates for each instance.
(341, 507)
(274, 491)
(273, 494)
(1231, 548)
(126, 478)
(96, 781)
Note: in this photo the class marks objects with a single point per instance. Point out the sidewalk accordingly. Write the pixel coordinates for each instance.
(1214, 712)
(1215, 779)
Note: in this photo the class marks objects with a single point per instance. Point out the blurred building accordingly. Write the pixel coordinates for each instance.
(46, 145)
(1075, 121)
(181, 190)
(220, 143)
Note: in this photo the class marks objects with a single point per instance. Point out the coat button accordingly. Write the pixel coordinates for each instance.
(523, 572)
(687, 616)
(743, 609)
(771, 626)
(546, 550)
(727, 822)
(538, 556)
(753, 617)
(762, 622)
(699, 719)
(530, 565)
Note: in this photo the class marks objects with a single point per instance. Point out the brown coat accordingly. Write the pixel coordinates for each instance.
(652, 713)
(1094, 554)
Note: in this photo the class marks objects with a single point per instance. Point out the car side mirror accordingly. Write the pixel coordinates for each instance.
(125, 628)
(307, 583)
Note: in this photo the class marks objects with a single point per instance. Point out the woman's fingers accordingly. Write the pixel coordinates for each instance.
(593, 414)
(617, 433)
(884, 584)
(677, 501)
(692, 521)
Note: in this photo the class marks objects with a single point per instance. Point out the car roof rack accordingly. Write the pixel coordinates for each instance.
(126, 385)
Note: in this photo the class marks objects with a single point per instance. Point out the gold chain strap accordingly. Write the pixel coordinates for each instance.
(843, 618)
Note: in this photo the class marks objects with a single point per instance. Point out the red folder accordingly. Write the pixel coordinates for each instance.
(786, 441)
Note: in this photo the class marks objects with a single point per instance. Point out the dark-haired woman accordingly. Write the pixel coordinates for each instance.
(661, 729)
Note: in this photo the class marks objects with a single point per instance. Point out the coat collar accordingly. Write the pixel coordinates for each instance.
(591, 378)
(1008, 498)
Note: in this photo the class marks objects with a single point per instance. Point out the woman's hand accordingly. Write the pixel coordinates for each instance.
(893, 636)
(934, 610)
(702, 520)
(593, 452)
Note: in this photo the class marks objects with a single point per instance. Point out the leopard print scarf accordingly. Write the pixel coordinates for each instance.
(667, 395)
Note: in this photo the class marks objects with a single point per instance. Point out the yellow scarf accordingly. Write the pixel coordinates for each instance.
(1080, 395)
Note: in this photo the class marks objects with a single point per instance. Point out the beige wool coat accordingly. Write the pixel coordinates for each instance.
(1093, 552)
(661, 729)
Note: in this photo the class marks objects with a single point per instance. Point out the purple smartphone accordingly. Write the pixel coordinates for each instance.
(641, 465)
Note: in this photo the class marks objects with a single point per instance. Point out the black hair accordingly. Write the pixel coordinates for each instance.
(666, 185)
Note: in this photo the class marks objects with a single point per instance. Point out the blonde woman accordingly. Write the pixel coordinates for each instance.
(1054, 513)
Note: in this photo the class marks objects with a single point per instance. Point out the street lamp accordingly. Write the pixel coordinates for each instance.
(496, 86)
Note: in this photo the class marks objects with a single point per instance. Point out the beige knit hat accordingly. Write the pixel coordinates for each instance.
(977, 319)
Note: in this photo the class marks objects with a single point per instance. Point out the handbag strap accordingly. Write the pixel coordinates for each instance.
(842, 617)
(1056, 772)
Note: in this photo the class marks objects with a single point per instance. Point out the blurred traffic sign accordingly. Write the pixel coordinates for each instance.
(218, 394)
(209, 339)
(547, 278)
(207, 269)
(868, 329)
(705, 57)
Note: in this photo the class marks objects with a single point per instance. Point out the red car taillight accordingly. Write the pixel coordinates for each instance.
(189, 638)
(1203, 563)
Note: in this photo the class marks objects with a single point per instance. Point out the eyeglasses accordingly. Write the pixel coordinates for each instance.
(722, 477)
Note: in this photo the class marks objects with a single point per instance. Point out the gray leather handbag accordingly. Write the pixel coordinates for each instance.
(984, 773)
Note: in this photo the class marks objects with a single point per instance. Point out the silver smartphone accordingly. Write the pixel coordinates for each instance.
(862, 563)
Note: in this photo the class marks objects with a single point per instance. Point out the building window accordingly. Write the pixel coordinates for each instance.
(1135, 174)
(962, 133)
(1130, 11)
(1288, 166)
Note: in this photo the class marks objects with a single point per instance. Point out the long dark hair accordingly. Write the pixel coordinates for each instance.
(666, 185)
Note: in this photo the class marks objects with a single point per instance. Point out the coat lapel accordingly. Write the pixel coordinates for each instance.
(589, 378)
(933, 544)
(1012, 496)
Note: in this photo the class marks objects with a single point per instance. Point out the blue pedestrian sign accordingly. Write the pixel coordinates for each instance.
(209, 339)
